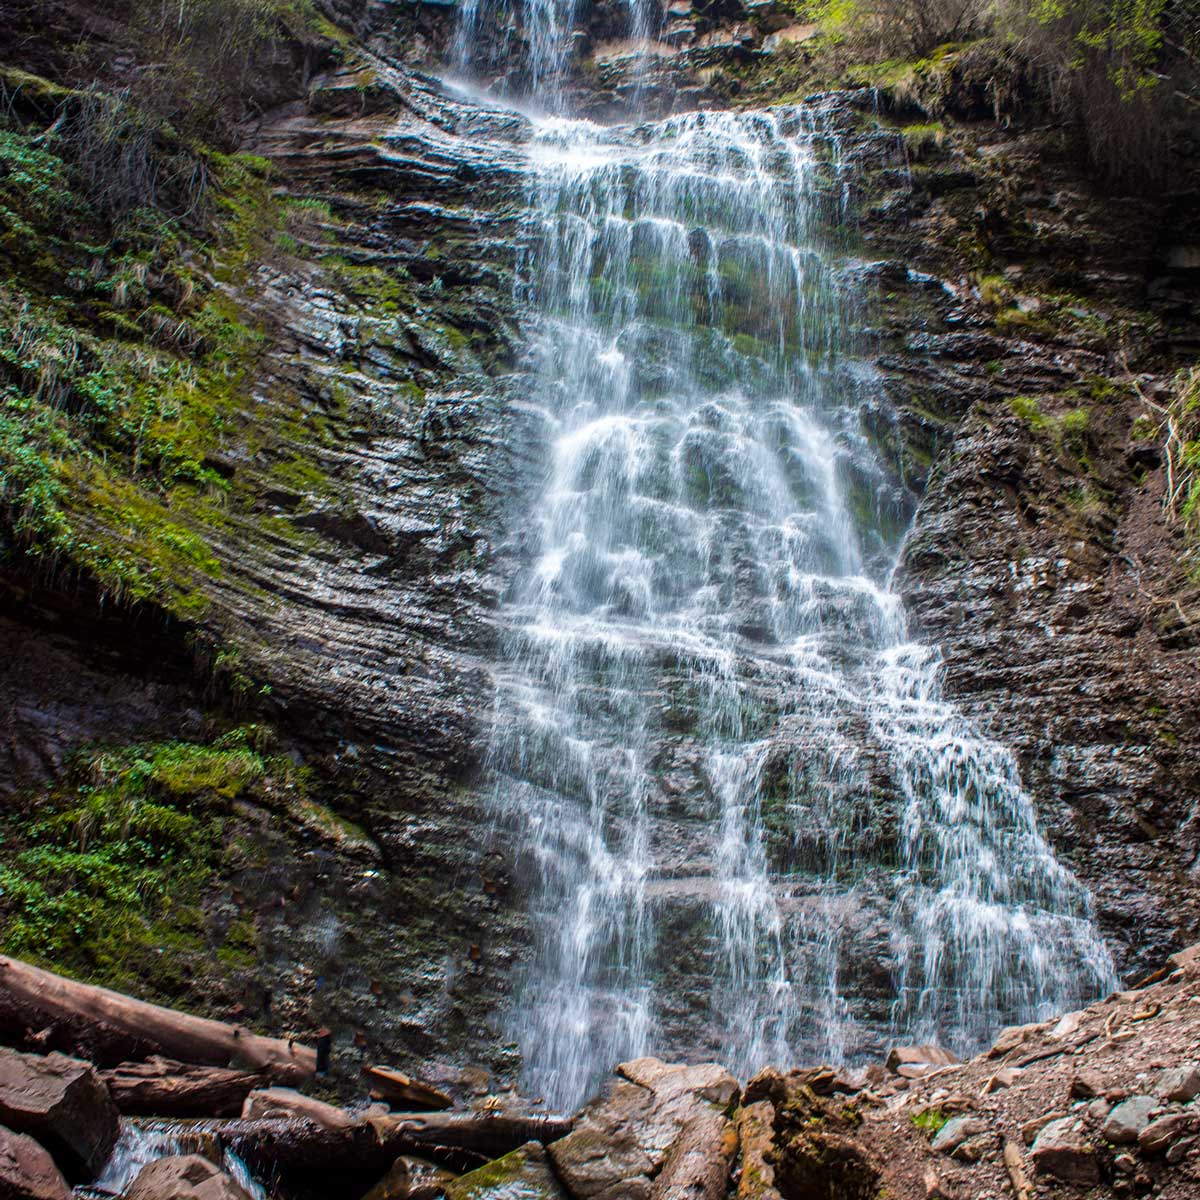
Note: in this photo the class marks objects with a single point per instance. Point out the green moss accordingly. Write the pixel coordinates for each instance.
(1029, 411)
(106, 877)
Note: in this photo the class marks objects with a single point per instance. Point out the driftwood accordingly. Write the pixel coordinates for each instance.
(165, 1088)
(394, 1087)
(110, 1027)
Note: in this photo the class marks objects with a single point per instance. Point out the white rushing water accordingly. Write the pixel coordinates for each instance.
(717, 746)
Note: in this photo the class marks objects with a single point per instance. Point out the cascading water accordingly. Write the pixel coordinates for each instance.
(724, 764)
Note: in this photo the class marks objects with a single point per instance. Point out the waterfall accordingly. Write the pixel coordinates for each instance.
(747, 823)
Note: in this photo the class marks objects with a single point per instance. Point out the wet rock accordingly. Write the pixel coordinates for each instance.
(756, 1136)
(62, 1102)
(1128, 1119)
(622, 1140)
(523, 1173)
(956, 1131)
(287, 1102)
(1061, 1150)
(184, 1177)
(1179, 1084)
(1158, 1136)
(411, 1178)
(399, 1089)
(27, 1172)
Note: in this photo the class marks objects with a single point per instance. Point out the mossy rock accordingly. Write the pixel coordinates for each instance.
(522, 1175)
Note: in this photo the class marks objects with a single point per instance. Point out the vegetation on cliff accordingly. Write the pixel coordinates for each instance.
(1126, 73)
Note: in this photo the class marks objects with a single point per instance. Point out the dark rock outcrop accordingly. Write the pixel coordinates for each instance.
(63, 1103)
(27, 1172)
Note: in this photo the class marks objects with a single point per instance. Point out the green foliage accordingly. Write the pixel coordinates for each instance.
(1182, 501)
(122, 372)
(930, 1121)
(107, 877)
(1029, 411)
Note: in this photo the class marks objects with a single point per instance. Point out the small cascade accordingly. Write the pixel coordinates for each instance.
(143, 1141)
(746, 822)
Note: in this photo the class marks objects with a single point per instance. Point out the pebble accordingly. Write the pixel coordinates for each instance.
(1128, 1119)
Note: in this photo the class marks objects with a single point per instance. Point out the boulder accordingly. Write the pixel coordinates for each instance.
(621, 1141)
(1128, 1119)
(523, 1173)
(287, 1102)
(956, 1131)
(184, 1177)
(1179, 1084)
(1061, 1150)
(411, 1178)
(1012, 1037)
(61, 1102)
(919, 1059)
(701, 1159)
(27, 1172)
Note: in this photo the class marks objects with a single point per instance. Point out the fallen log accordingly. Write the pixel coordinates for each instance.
(489, 1134)
(111, 1027)
(394, 1087)
(162, 1087)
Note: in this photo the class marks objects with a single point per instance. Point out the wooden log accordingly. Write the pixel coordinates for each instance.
(162, 1087)
(111, 1027)
(488, 1134)
(395, 1087)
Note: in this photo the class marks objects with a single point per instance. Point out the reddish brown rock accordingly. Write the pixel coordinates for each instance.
(62, 1103)
(27, 1172)
(185, 1177)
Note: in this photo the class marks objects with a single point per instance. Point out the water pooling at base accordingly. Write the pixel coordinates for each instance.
(748, 824)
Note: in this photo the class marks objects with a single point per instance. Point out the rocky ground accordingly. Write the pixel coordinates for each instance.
(1104, 1102)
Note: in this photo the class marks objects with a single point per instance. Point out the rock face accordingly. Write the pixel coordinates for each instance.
(369, 534)
(187, 1177)
(63, 1103)
(27, 1172)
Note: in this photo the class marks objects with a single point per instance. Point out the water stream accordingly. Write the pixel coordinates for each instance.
(747, 822)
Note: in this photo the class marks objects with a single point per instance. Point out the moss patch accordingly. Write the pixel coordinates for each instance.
(106, 878)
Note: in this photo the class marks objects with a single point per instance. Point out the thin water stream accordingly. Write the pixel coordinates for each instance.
(726, 766)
